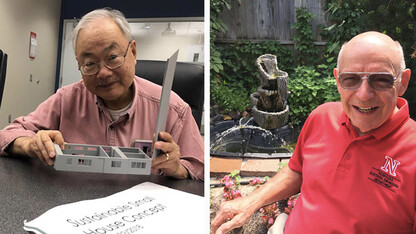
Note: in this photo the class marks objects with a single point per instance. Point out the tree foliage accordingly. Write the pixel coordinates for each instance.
(394, 18)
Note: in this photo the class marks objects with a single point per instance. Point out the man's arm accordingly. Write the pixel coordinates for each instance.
(283, 185)
(40, 145)
(185, 134)
(45, 117)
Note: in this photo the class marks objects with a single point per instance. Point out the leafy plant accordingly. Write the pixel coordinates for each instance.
(229, 96)
(346, 18)
(308, 90)
(307, 52)
(216, 26)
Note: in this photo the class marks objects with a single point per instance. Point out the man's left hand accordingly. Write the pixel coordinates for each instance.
(169, 161)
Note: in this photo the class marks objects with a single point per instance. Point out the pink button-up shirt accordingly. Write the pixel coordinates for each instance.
(83, 119)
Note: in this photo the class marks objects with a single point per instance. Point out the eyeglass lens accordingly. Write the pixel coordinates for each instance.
(380, 82)
(112, 62)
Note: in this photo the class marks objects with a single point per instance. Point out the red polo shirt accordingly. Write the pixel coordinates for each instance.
(351, 183)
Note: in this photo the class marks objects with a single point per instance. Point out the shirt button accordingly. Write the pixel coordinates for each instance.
(348, 156)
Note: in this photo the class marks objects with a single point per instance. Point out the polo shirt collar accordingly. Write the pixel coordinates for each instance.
(389, 126)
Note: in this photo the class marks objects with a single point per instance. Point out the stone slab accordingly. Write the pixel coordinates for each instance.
(260, 167)
(220, 167)
(285, 161)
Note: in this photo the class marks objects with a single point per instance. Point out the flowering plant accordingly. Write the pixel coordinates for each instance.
(291, 202)
(257, 182)
(231, 184)
(270, 212)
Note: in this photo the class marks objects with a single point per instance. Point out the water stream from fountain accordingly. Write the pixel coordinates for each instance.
(246, 139)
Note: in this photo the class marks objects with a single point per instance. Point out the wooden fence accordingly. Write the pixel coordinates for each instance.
(259, 20)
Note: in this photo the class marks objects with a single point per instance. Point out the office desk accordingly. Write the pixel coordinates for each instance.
(29, 188)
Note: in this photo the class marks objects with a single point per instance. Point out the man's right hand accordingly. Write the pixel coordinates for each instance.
(40, 145)
(232, 214)
(235, 213)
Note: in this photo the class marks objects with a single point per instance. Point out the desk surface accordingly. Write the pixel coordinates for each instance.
(29, 188)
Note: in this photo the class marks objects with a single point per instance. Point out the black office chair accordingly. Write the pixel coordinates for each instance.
(188, 81)
(3, 65)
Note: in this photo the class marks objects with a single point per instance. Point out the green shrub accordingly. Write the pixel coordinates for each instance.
(308, 89)
(307, 52)
(230, 97)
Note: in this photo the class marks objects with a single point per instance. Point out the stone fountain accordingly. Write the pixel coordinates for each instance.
(264, 134)
(270, 109)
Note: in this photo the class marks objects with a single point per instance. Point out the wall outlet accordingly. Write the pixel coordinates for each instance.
(31, 76)
(10, 118)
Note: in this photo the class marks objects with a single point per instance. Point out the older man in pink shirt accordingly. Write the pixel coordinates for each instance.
(109, 106)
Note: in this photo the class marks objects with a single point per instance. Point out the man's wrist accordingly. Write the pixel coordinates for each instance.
(17, 146)
(181, 172)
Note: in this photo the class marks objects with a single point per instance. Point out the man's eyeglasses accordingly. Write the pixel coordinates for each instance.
(379, 81)
(112, 62)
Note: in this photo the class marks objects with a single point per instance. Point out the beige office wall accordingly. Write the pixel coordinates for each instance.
(17, 19)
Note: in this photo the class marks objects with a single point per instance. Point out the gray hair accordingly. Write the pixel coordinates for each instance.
(401, 56)
(104, 13)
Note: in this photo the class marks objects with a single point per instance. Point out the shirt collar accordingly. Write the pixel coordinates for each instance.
(390, 125)
(132, 109)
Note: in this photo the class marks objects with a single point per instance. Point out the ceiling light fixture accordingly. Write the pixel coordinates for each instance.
(168, 31)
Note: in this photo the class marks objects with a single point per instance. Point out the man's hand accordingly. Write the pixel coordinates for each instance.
(232, 214)
(40, 145)
(169, 162)
(235, 213)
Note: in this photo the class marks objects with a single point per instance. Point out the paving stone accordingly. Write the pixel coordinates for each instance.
(285, 161)
(220, 167)
(260, 167)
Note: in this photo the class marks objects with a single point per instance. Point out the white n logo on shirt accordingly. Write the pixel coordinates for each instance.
(390, 166)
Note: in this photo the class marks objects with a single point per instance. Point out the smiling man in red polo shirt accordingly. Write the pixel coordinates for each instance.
(359, 174)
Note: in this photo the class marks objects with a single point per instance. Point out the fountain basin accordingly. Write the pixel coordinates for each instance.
(231, 138)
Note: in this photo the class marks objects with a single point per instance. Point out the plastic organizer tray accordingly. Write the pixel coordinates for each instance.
(104, 159)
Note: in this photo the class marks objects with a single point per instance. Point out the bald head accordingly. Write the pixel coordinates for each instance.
(373, 44)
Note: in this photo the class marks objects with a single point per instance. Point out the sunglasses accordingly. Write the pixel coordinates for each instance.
(380, 81)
